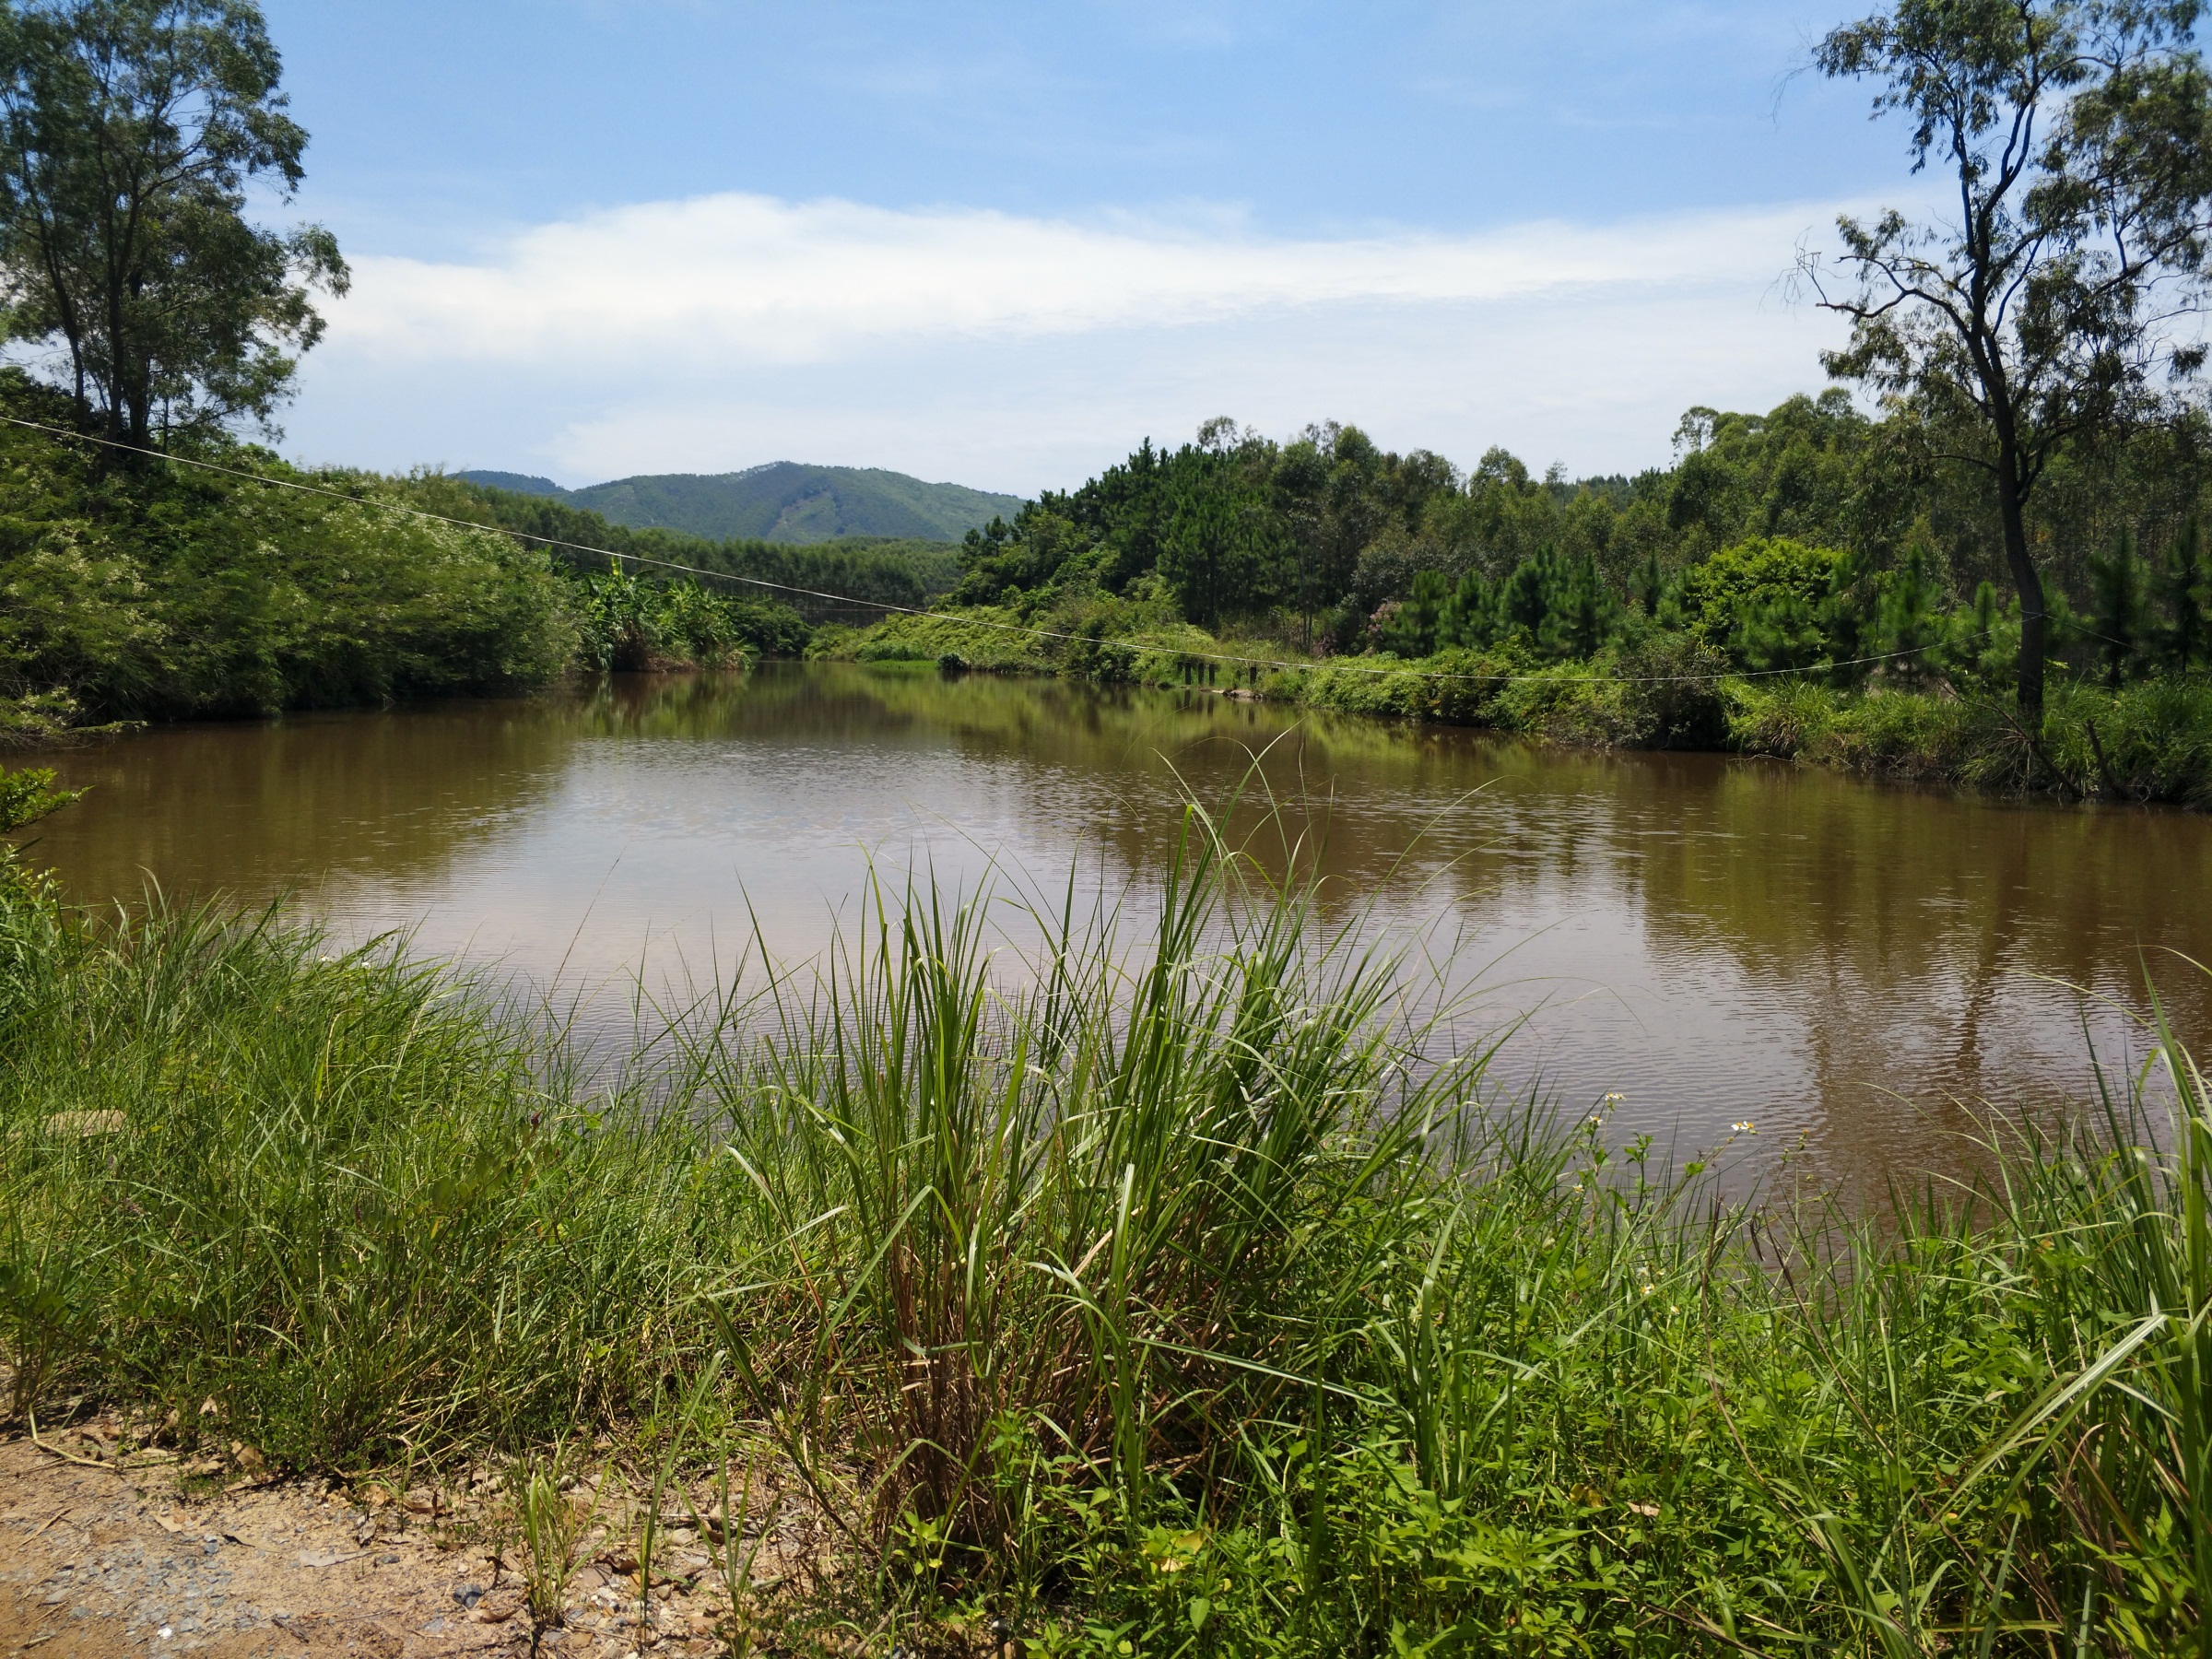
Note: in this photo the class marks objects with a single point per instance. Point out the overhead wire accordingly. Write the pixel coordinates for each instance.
(1335, 666)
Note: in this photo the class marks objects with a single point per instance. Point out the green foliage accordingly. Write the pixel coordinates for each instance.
(1770, 577)
(1416, 628)
(165, 592)
(1907, 631)
(2116, 587)
(28, 795)
(2184, 593)
(2155, 737)
(634, 624)
(1173, 1300)
(131, 131)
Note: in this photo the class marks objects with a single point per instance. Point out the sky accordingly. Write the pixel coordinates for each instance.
(1000, 243)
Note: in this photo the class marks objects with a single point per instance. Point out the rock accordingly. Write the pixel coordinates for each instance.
(81, 1123)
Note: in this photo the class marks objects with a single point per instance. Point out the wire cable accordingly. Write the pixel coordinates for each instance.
(1332, 666)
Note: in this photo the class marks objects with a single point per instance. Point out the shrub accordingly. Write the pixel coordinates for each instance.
(156, 591)
(1773, 575)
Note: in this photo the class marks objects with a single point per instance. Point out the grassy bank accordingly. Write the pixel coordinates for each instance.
(2146, 741)
(1183, 1302)
(2150, 741)
(142, 589)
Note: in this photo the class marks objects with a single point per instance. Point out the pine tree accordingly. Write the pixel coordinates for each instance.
(1908, 618)
(1470, 617)
(1844, 623)
(1524, 599)
(1778, 632)
(2116, 587)
(2184, 592)
(1651, 585)
(1412, 632)
(1576, 626)
(1974, 651)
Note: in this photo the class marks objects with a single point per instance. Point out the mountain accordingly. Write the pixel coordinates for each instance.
(520, 483)
(783, 501)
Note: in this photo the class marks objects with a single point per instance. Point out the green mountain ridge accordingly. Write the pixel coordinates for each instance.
(781, 502)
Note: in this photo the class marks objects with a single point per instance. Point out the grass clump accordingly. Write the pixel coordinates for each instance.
(2149, 741)
(1173, 1295)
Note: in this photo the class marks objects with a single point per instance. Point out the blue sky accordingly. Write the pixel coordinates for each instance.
(1001, 243)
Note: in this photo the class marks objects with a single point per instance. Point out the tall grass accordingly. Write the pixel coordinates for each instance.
(1185, 1297)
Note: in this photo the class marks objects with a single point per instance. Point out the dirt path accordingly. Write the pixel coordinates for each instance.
(96, 1562)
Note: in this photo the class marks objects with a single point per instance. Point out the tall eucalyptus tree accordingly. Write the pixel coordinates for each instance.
(2050, 298)
(132, 133)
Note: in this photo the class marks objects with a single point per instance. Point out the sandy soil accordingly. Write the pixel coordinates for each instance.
(127, 1561)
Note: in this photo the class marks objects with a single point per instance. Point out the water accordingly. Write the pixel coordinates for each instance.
(1849, 966)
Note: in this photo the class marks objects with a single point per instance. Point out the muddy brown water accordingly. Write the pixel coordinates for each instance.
(1847, 965)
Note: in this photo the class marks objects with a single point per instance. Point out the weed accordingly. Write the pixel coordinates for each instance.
(552, 1527)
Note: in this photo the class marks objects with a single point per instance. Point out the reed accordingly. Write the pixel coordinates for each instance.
(1181, 1291)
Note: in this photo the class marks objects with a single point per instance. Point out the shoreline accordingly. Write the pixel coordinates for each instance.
(1032, 1303)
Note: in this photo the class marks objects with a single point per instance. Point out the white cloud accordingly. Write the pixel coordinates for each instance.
(1016, 352)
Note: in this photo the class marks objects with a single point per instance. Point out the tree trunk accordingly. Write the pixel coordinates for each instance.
(2027, 581)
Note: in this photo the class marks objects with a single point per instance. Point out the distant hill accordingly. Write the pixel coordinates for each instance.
(783, 501)
(521, 483)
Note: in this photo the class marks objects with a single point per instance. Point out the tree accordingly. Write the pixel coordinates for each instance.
(2186, 591)
(1910, 632)
(1414, 630)
(130, 133)
(2074, 133)
(1578, 621)
(2116, 587)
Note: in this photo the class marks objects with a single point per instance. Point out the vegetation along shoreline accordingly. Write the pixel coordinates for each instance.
(1159, 1302)
(164, 592)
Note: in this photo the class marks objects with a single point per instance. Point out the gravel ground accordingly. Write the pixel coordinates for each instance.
(102, 1560)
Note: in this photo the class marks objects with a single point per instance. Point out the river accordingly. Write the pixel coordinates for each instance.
(1851, 967)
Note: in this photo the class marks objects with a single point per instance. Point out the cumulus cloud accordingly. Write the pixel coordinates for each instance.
(1012, 351)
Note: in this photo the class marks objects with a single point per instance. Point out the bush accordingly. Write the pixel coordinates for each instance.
(1773, 574)
(151, 590)
(2149, 741)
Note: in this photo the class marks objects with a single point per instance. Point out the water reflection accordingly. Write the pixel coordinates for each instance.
(1718, 939)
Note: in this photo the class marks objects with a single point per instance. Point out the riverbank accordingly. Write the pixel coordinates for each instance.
(2148, 742)
(1190, 1310)
(225, 583)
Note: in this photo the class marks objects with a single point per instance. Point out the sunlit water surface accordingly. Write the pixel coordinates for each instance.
(1848, 965)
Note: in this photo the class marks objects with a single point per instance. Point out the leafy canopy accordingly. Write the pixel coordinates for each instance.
(130, 133)
(2047, 303)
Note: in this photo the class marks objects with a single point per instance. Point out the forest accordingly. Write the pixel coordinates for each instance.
(1810, 538)
(1814, 583)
